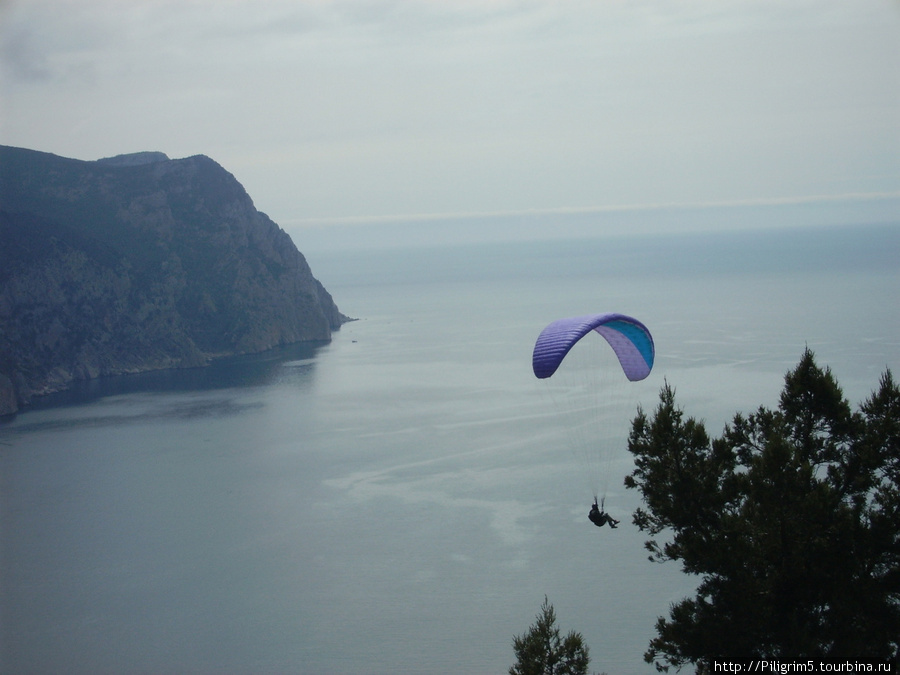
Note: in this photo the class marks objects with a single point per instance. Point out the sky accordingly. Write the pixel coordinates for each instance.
(352, 111)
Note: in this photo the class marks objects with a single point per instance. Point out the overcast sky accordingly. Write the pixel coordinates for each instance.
(349, 109)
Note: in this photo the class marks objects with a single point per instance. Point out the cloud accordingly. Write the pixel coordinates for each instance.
(21, 58)
(352, 109)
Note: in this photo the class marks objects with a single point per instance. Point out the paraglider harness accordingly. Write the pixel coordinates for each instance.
(599, 517)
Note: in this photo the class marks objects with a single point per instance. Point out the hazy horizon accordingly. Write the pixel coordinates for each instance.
(331, 112)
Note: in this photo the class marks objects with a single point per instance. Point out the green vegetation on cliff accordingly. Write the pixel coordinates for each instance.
(139, 262)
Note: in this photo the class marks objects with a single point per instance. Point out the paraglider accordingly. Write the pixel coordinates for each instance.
(629, 338)
(599, 517)
(632, 345)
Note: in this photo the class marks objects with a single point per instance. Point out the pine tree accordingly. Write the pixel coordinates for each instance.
(541, 650)
(791, 520)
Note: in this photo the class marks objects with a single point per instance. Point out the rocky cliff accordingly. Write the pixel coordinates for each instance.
(139, 262)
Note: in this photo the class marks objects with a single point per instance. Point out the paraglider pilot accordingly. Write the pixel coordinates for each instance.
(599, 517)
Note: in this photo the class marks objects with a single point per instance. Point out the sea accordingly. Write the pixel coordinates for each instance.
(402, 499)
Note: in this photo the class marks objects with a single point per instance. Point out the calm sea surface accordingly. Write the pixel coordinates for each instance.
(401, 499)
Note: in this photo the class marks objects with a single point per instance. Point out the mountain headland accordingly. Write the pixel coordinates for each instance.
(140, 262)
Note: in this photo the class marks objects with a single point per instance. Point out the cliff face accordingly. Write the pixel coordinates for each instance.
(139, 262)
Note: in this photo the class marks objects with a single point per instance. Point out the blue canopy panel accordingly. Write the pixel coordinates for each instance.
(629, 338)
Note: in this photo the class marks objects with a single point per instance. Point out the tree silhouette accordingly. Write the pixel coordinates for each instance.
(791, 519)
(541, 650)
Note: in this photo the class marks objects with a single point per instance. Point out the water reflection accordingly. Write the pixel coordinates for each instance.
(187, 410)
(295, 361)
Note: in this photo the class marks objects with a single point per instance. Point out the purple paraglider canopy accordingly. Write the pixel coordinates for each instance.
(629, 338)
